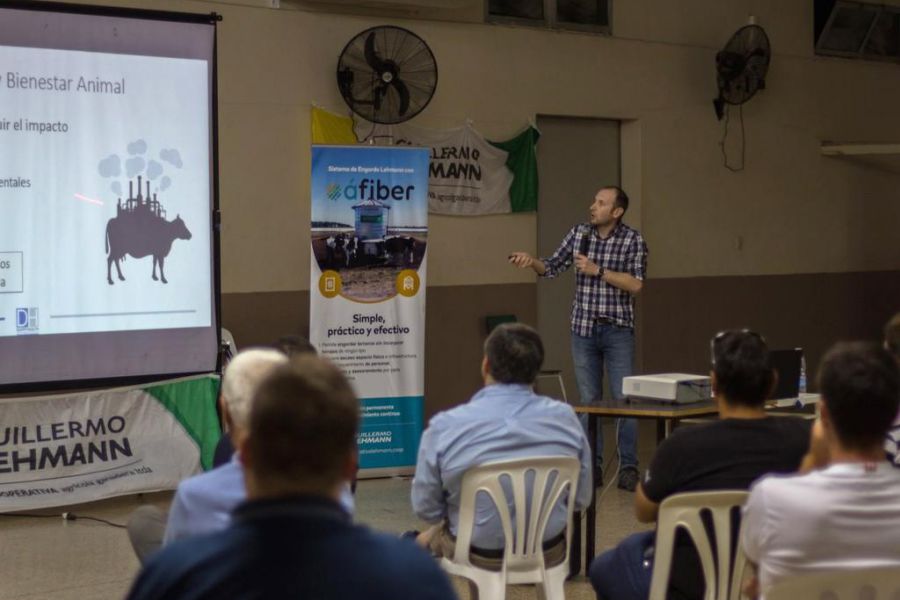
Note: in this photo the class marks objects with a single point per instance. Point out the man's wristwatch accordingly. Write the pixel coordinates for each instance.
(600, 271)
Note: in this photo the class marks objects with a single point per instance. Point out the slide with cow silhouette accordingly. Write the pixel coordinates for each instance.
(107, 249)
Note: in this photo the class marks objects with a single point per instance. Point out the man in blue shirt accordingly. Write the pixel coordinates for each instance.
(506, 420)
(203, 503)
(610, 261)
(291, 538)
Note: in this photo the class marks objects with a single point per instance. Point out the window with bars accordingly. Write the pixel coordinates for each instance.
(589, 15)
(857, 30)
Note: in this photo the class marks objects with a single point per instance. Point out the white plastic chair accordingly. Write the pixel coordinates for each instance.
(523, 556)
(857, 584)
(557, 375)
(228, 343)
(682, 511)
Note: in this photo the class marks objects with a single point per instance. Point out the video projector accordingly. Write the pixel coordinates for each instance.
(678, 388)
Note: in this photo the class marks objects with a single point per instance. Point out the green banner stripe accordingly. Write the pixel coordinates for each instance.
(193, 403)
(522, 161)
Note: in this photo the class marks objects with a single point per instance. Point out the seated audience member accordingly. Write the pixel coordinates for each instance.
(505, 420)
(294, 345)
(203, 503)
(892, 345)
(845, 516)
(727, 454)
(289, 345)
(291, 538)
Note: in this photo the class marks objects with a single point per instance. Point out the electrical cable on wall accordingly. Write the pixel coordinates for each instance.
(741, 69)
(740, 165)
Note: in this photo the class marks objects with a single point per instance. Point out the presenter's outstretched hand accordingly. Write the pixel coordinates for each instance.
(523, 260)
(585, 265)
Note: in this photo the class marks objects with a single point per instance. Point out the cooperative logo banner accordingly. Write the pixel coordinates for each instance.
(369, 233)
(68, 449)
(470, 175)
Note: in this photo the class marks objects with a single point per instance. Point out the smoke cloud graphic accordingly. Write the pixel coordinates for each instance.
(134, 166)
(137, 147)
(171, 156)
(111, 166)
(154, 169)
(137, 162)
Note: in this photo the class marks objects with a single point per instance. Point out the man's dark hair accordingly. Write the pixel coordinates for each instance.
(892, 336)
(293, 345)
(860, 385)
(303, 424)
(515, 353)
(741, 365)
(621, 200)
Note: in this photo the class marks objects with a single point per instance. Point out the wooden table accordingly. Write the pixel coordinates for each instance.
(666, 415)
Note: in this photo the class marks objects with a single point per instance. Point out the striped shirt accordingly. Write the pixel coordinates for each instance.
(892, 444)
(624, 251)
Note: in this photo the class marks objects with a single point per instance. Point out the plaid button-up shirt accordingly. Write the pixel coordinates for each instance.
(624, 251)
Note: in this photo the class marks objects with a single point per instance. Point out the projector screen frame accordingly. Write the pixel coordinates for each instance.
(31, 388)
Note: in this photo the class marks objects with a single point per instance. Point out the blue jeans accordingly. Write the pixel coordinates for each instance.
(615, 346)
(623, 573)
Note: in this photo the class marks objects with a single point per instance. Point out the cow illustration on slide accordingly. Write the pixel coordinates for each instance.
(140, 229)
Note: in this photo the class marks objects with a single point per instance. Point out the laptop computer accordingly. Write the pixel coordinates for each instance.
(787, 364)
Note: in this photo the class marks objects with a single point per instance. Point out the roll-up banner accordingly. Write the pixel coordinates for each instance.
(369, 233)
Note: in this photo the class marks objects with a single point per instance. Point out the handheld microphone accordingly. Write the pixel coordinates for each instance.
(585, 242)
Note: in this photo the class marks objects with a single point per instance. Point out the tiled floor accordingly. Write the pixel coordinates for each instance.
(51, 558)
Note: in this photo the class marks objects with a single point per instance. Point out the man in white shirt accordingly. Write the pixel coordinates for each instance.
(846, 515)
(892, 345)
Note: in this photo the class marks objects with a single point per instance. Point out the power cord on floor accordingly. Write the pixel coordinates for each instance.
(618, 459)
(67, 516)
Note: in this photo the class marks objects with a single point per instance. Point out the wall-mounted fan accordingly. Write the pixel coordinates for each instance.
(741, 67)
(387, 74)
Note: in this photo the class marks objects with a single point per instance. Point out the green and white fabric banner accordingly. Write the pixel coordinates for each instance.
(67, 449)
(468, 175)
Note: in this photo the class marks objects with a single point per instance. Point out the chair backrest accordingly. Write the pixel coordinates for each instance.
(857, 584)
(683, 511)
(552, 477)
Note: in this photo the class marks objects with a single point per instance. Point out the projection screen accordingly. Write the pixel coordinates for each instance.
(108, 199)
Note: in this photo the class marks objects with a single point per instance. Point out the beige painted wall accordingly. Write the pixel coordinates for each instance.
(790, 211)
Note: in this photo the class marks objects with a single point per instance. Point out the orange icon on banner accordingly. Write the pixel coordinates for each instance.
(330, 284)
(408, 283)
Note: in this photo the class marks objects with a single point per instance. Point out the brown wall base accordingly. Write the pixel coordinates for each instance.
(677, 317)
(454, 330)
(812, 311)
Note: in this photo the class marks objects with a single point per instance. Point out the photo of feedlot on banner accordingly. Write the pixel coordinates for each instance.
(369, 233)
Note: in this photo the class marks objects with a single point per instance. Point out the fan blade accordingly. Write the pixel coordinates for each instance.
(377, 96)
(758, 53)
(345, 82)
(403, 92)
(372, 57)
(719, 106)
(729, 64)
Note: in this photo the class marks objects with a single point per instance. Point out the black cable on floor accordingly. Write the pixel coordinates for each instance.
(67, 516)
(73, 517)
